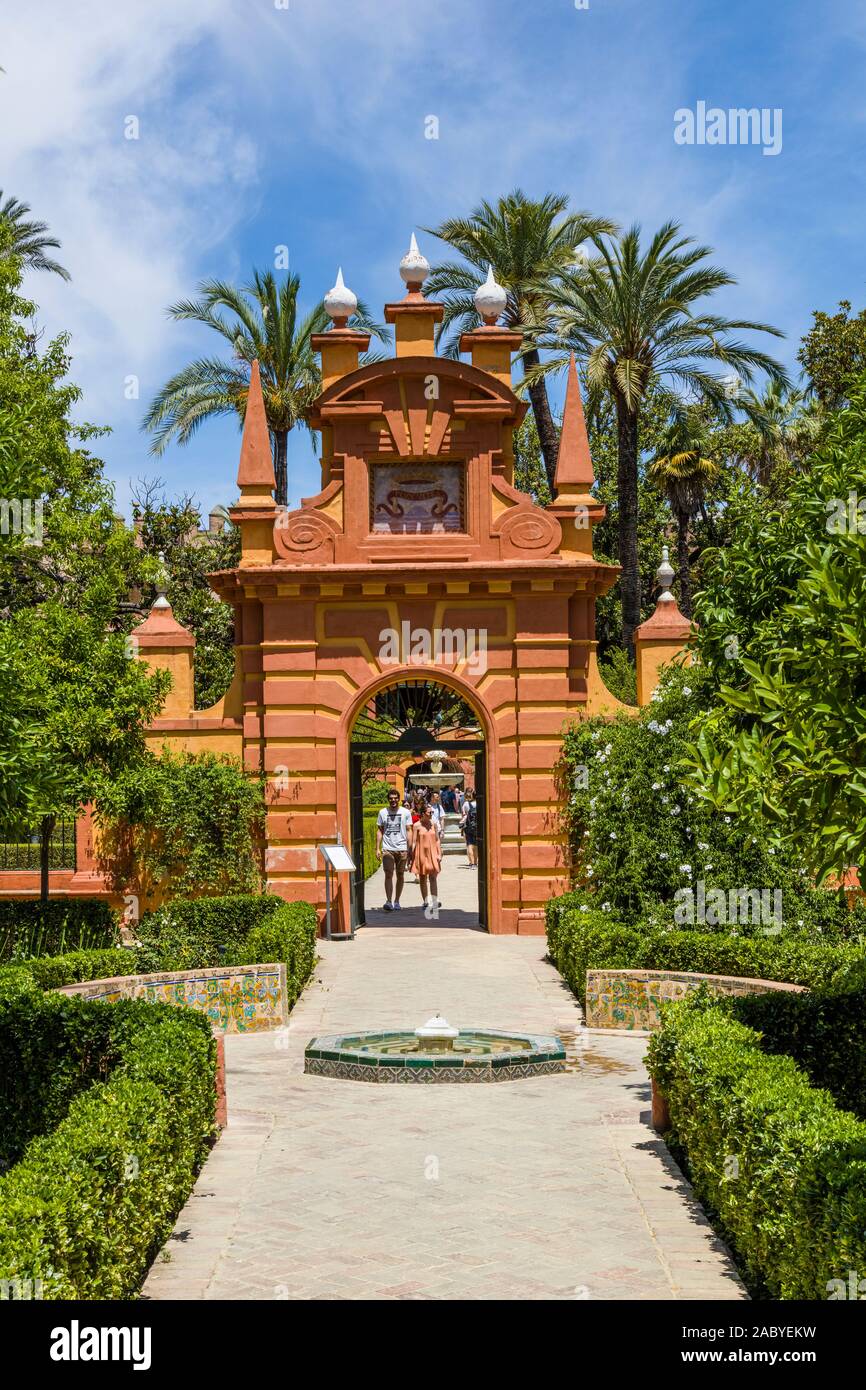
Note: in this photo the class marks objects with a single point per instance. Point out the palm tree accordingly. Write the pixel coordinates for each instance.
(531, 245)
(265, 325)
(786, 427)
(29, 241)
(683, 472)
(630, 313)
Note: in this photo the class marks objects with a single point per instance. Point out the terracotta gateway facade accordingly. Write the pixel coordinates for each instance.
(418, 585)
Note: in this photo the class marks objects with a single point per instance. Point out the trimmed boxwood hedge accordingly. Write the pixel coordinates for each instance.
(30, 927)
(824, 1032)
(371, 863)
(779, 1165)
(195, 934)
(89, 1204)
(106, 1111)
(52, 972)
(288, 935)
(582, 938)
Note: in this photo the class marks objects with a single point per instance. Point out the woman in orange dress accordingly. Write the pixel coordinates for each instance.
(427, 857)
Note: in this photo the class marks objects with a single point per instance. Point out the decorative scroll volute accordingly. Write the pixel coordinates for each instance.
(305, 537)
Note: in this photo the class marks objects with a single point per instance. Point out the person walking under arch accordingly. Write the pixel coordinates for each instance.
(394, 836)
(427, 861)
(469, 826)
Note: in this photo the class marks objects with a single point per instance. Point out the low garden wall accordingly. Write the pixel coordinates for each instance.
(631, 999)
(233, 999)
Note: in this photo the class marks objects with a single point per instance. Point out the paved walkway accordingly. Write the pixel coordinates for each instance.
(555, 1188)
(457, 890)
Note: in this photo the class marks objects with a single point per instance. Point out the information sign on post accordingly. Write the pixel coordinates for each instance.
(338, 860)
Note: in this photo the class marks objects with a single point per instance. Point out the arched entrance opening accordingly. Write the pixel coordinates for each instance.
(435, 734)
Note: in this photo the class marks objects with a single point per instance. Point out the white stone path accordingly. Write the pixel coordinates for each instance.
(555, 1188)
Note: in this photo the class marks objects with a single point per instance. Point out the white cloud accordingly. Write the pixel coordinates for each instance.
(307, 123)
(133, 215)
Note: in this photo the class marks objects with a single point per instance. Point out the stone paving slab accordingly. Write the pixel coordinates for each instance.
(550, 1188)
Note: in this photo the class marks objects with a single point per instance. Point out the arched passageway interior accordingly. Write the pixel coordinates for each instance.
(438, 731)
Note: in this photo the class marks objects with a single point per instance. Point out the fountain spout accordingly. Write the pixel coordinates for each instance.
(436, 1035)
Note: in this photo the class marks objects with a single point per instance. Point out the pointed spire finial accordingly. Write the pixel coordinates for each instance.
(490, 299)
(340, 303)
(256, 468)
(573, 459)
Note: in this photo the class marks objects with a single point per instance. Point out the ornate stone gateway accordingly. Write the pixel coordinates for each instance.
(418, 573)
(418, 561)
(417, 565)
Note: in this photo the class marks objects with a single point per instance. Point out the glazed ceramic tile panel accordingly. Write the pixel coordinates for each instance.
(630, 999)
(234, 999)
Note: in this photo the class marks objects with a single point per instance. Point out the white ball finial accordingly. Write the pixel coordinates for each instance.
(665, 577)
(490, 298)
(414, 268)
(340, 302)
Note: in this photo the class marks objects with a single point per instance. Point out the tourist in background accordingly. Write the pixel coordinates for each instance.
(469, 826)
(437, 813)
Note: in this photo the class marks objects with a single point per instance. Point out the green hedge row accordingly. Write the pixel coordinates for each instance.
(289, 935)
(237, 930)
(824, 1032)
(780, 1166)
(51, 972)
(371, 863)
(89, 1204)
(45, 1058)
(582, 938)
(106, 1112)
(29, 927)
(195, 934)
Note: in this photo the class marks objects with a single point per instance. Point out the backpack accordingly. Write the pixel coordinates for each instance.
(472, 818)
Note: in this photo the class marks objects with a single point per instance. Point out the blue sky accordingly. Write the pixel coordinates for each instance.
(305, 126)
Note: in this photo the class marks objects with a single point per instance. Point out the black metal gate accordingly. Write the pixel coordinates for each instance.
(481, 833)
(356, 798)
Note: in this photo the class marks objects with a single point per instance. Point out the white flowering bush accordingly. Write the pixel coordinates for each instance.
(638, 834)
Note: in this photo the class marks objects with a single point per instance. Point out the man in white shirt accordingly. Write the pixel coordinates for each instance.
(393, 843)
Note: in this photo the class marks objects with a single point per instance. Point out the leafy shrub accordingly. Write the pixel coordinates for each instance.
(793, 1203)
(51, 1048)
(784, 738)
(89, 1204)
(825, 1033)
(851, 975)
(376, 794)
(639, 837)
(52, 972)
(620, 676)
(33, 928)
(583, 938)
(288, 935)
(182, 825)
(200, 933)
(371, 863)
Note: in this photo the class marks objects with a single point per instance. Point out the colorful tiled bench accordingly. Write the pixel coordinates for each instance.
(630, 999)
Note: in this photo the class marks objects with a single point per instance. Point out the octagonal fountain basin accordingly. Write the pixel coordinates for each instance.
(434, 1054)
